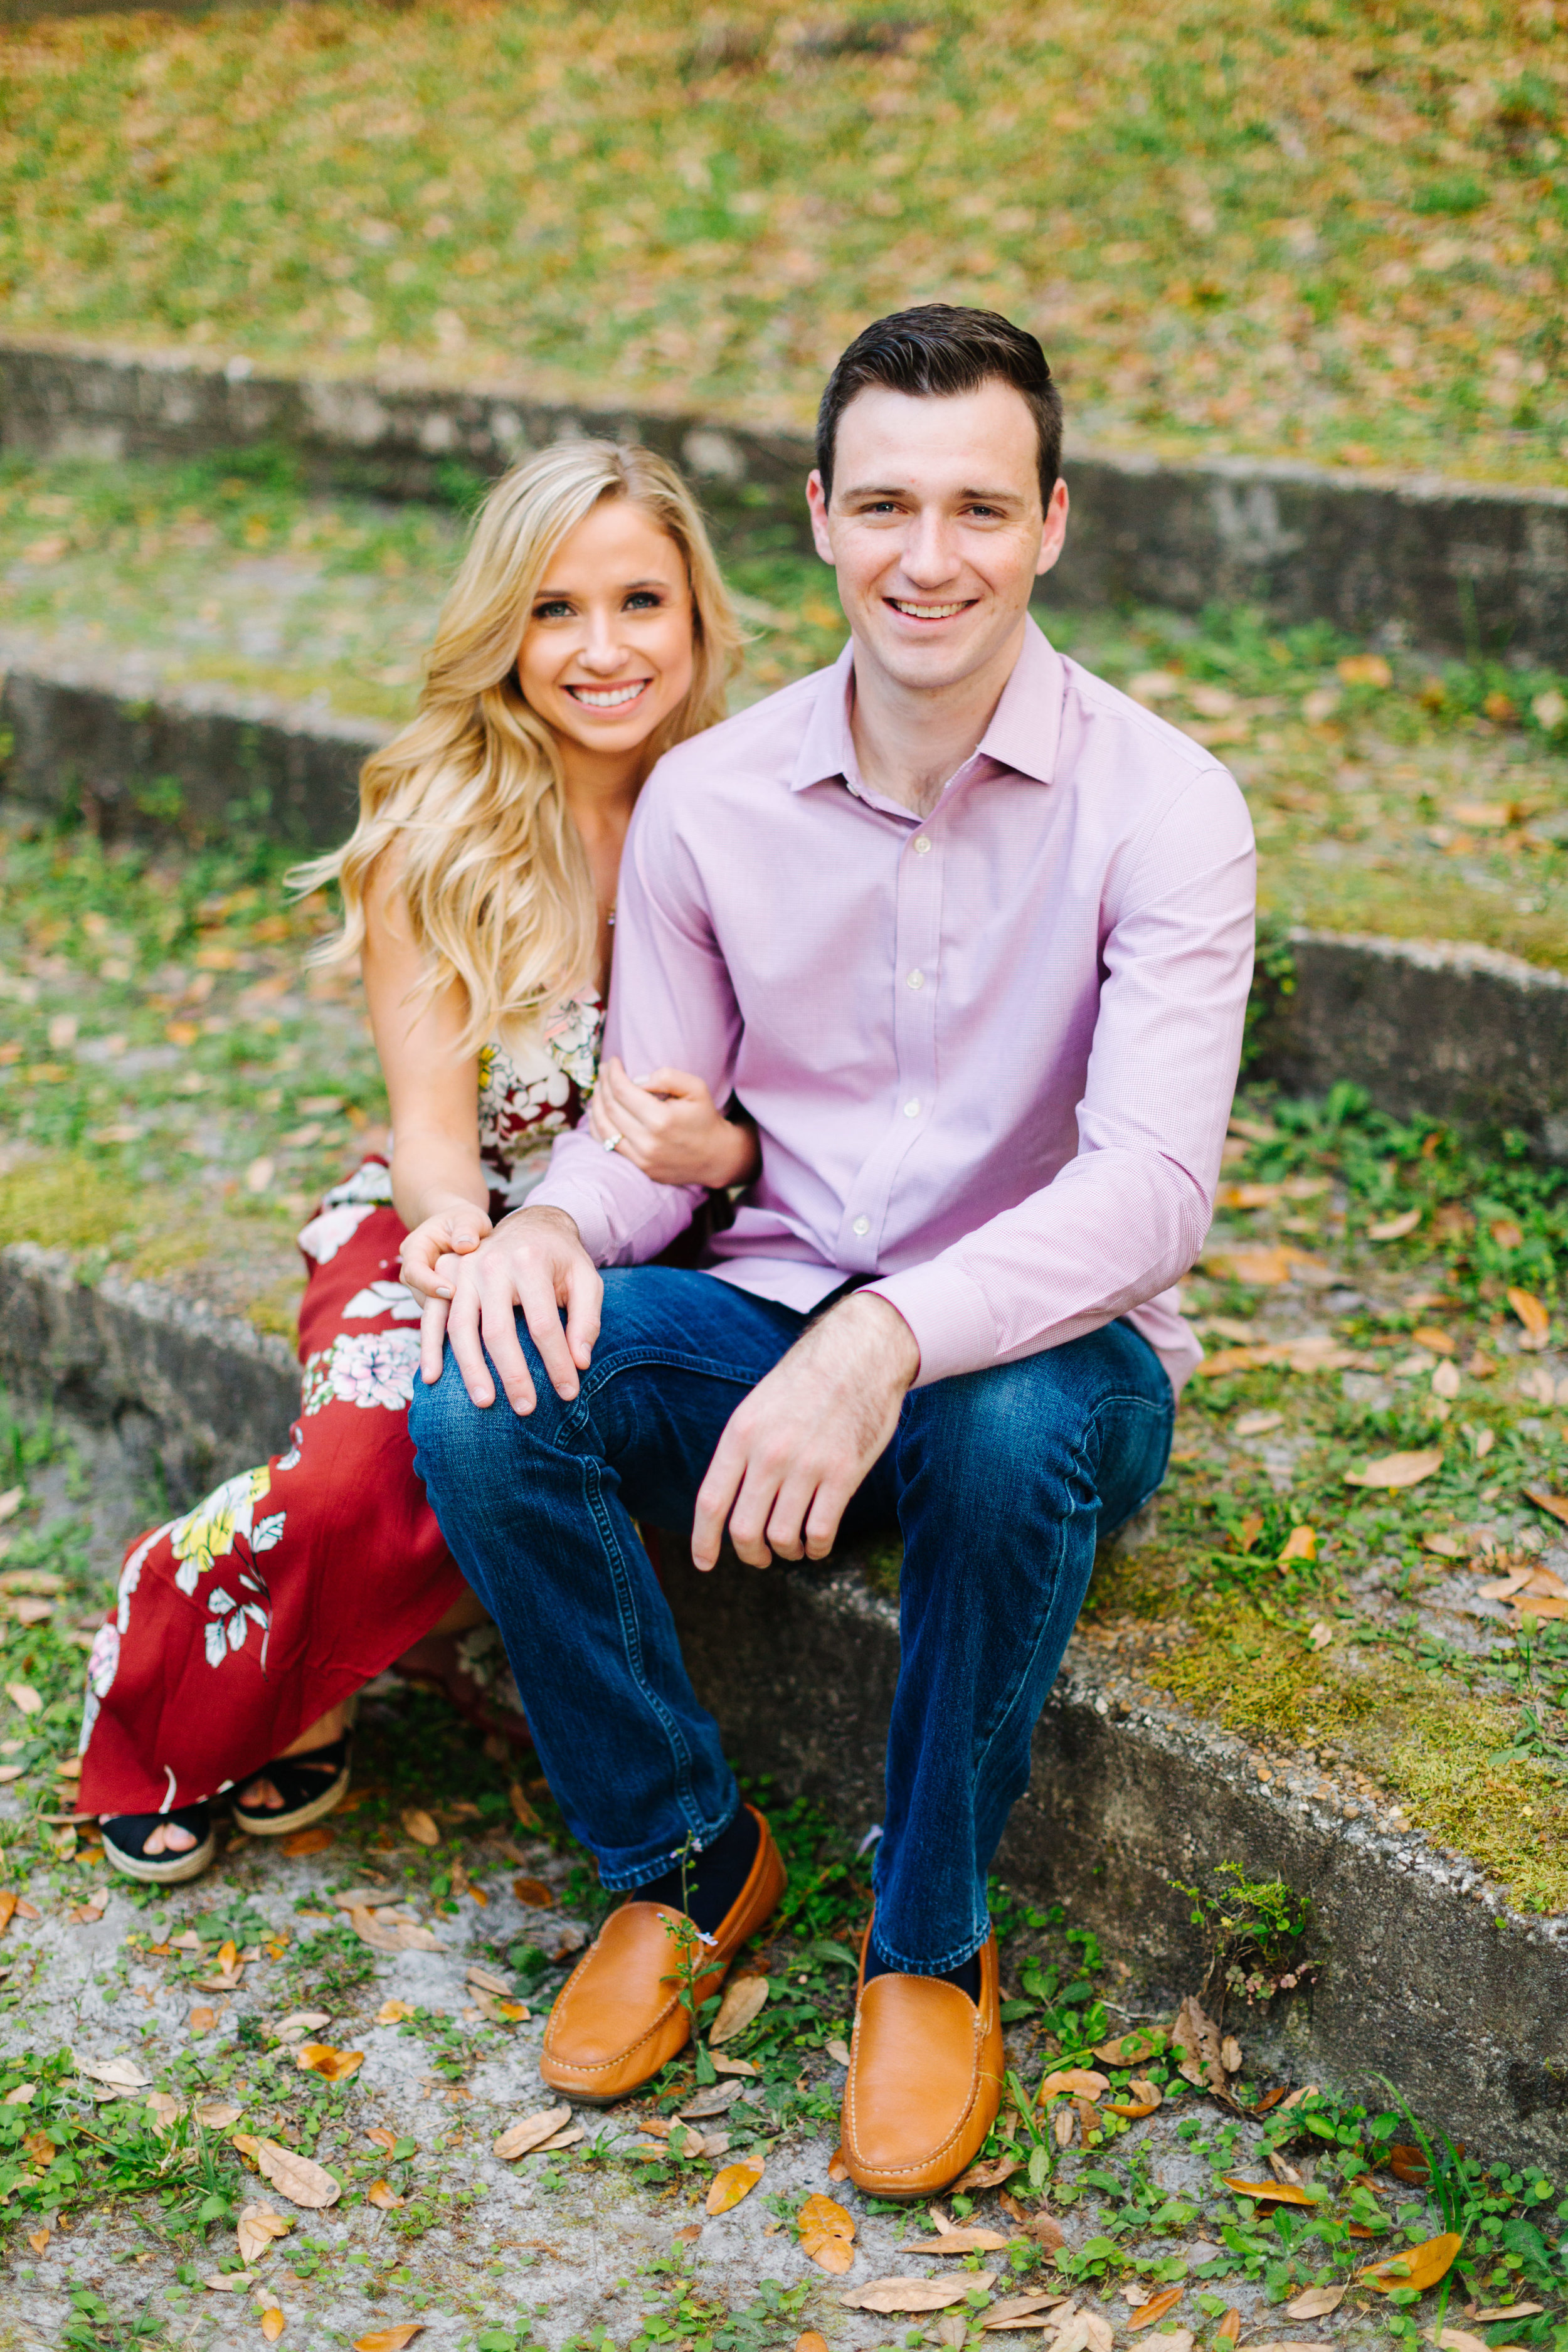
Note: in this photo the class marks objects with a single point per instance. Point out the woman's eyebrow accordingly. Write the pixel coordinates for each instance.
(568, 595)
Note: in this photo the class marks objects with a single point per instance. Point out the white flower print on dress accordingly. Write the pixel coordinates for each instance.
(363, 1368)
(526, 1092)
(230, 1623)
(393, 1298)
(102, 1668)
(371, 1182)
(324, 1236)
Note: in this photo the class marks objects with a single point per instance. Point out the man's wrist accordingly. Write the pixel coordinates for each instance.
(882, 1322)
(560, 1218)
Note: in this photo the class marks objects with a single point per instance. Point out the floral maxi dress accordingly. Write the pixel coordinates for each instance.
(291, 1586)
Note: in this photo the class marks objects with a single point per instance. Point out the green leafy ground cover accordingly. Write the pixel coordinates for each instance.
(1390, 795)
(144, 2200)
(1307, 225)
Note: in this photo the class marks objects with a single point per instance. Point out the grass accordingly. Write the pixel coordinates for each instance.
(1302, 226)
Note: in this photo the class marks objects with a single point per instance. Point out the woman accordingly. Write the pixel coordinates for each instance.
(587, 630)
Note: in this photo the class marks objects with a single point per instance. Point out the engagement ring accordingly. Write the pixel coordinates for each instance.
(611, 1141)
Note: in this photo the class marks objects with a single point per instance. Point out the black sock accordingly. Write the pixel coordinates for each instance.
(966, 1976)
(713, 1877)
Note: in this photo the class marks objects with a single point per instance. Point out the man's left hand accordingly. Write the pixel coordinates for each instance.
(793, 1454)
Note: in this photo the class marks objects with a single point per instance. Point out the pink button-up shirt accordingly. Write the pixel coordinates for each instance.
(990, 1052)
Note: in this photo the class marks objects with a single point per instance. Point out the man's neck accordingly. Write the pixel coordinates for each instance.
(910, 741)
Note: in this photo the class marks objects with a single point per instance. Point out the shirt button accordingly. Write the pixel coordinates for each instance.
(862, 1227)
(923, 843)
(912, 1108)
(917, 979)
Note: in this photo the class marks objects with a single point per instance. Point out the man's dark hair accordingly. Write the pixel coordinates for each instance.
(941, 350)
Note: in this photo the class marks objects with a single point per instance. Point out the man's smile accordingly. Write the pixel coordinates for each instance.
(609, 698)
(913, 611)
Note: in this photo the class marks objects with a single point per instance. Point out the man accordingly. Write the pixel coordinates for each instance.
(969, 934)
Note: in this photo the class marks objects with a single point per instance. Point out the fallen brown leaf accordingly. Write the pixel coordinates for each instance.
(1397, 1470)
(379, 2136)
(201, 2021)
(1229, 2329)
(836, 2168)
(1506, 2311)
(1272, 2192)
(38, 2239)
(311, 1841)
(1038, 2225)
(716, 2100)
(1195, 2037)
(1079, 2081)
(958, 2241)
(535, 1893)
(1316, 2303)
(727, 2188)
(40, 2149)
(332, 2065)
(722, 2065)
(744, 2000)
(1155, 2308)
(1535, 1316)
(8, 1906)
(522, 1809)
(302, 2181)
(990, 2173)
(1064, 2127)
(827, 2235)
(532, 2132)
(418, 1825)
(273, 2322)
(811, 2342)
(390, 2339)
(395, 2013)
(120, 2074)
(382, 2193)
(890, 2296)
(257, 2227)
(486, 1980)
(216, 2115)
(1014, 2307)
(1394, 1229)
(1418, 2266)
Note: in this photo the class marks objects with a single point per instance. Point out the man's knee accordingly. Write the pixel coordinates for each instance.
(1011, 1422)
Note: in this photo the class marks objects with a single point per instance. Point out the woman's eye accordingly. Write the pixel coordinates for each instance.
(557, 609)
(644, 600)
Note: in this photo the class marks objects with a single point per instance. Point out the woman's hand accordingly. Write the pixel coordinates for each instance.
(668, 1125)
(427, 1253)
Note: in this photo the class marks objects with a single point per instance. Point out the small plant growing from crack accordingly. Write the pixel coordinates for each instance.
(1254, 1929)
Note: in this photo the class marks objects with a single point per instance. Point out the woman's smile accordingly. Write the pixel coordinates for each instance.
(610, 697)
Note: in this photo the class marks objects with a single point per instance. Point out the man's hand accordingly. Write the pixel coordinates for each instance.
(792, 1455)
(535, 1260)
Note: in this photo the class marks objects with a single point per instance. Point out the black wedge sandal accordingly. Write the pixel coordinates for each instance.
(311, 1786)
(125, 1837)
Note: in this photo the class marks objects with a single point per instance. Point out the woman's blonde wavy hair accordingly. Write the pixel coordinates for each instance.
(491, 870)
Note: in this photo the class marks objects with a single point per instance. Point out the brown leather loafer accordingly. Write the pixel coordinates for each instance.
(619, 2018)
(925, 2079)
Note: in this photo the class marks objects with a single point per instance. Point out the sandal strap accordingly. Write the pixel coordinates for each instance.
(128, 1832)
(294, 1791)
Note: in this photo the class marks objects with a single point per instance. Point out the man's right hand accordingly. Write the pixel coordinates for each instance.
(535, 1260)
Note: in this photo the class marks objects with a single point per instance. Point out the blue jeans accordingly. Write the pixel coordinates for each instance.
(1000, 1480)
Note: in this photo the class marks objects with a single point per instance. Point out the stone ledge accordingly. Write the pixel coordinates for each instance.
(1426, 1976)
(1439, 561)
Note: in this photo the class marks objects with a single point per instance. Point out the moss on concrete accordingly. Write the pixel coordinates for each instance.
(63, 1201)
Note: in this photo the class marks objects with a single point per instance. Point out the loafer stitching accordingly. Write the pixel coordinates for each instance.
(978, 2077)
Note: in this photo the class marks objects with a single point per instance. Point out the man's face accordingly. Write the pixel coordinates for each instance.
(936, 530)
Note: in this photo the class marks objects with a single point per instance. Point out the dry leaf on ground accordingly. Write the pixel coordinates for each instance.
(7, 1907)
(1132, 2049)
(1272, 2192)
(1086, 2331)
(418, 1825)
(1396, 1470)
(838, 2050)
(1038, 2225)
(332, 2065)
(399, 1936)
(273, 2322)
(736, 2181)
(1544, 1500)
(890, 2296)
(722, 2065)
(390, 2339)
(990, 2173)
(836, 2168)
(382, 2193)
(257, 2227)
(1394, 1229)
(1506, 2311)
(532, 1892)
(1195, 2037)
(1014, 2307)
(744, 1998)
(297, 2178)
(1082, 2081)
(1063, 2125)
(958, 2241)
(826, 2234)
(201, 2021)
(1461, 2339)
(395, 2013)
(216, 2115)
(1229, 2329)
(1316, 2303)
(521, 1807)
(1418, 2266)
(1155, 2308)
(811, 2342)
(122, 2073)
(23, 1698)
(532, 2132)
(716, 2100)
(1532, 1313)
(311, 1841)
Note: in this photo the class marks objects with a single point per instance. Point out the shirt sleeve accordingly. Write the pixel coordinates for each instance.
(671, 1003)
(1128, 1215)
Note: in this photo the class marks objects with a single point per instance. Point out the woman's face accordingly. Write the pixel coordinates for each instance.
(607, 652)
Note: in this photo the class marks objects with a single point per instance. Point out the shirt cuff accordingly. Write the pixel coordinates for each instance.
(950, 1315)
(586, 1212)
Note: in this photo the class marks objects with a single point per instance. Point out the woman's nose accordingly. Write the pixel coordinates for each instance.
(605, 648)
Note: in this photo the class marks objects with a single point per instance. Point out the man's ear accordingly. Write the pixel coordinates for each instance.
(817, 500)
(1053, 538)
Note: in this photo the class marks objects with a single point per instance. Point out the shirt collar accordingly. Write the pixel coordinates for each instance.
(1024, 733)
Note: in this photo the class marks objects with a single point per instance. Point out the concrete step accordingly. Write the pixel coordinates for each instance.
(1423, 1974)
(1437, 563)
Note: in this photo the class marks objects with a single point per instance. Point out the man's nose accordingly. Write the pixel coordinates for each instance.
(929, 557)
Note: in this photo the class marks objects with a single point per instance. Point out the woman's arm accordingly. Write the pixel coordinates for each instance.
(668, 1125)
(439, 1186)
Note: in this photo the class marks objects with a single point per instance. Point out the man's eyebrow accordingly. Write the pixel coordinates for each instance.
(902, 490)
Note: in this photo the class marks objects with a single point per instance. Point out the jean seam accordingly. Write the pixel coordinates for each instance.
(603, 1370)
